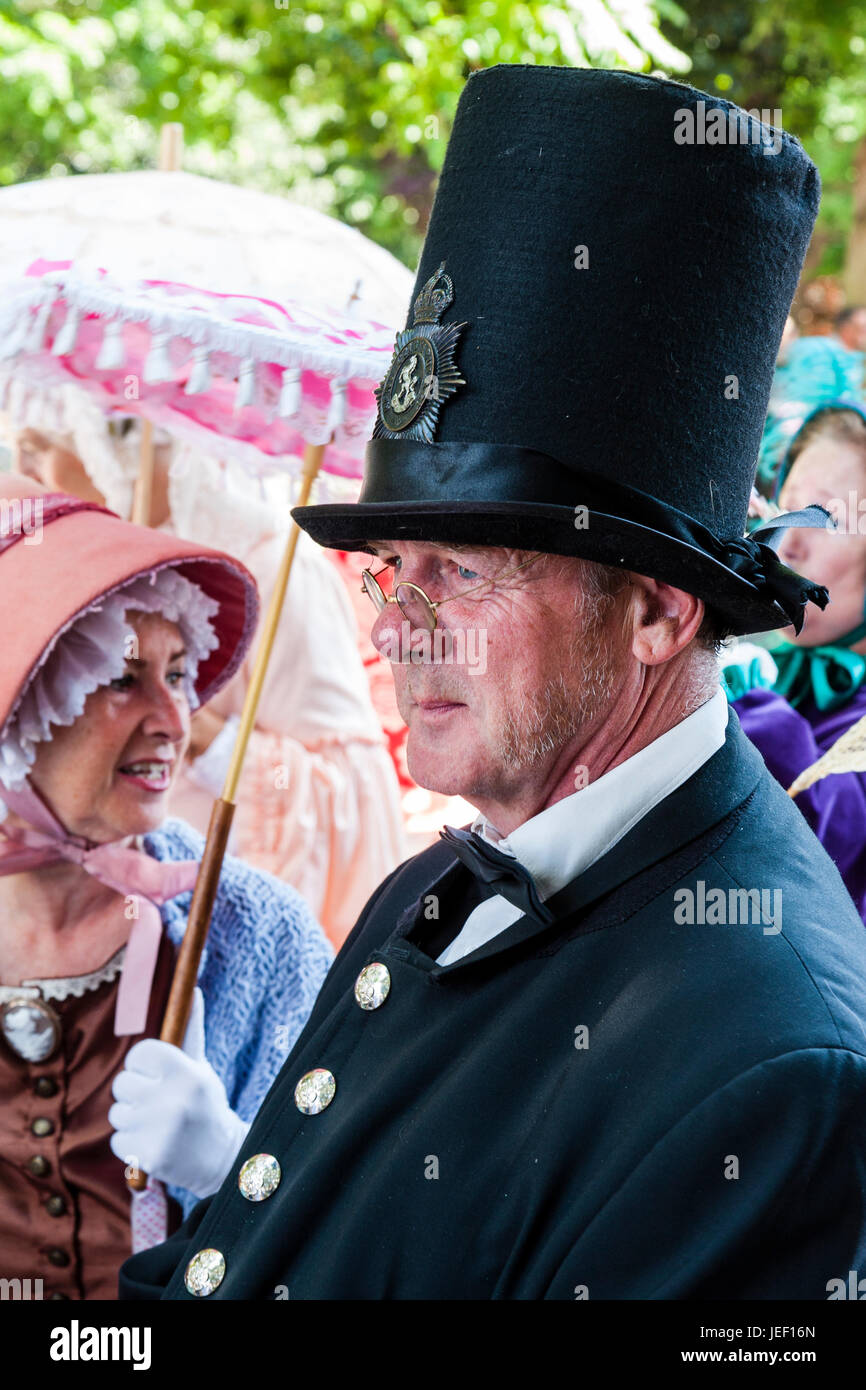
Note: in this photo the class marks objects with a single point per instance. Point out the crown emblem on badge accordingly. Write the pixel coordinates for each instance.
(423, 372)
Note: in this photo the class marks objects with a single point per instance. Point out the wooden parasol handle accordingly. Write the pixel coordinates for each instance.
(186, 971)
(170, 160)
(313, 454)
(144, 482)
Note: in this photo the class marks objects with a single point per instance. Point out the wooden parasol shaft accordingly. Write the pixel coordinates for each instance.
(171, 146)
(144, 481)
(180, 998)
(186, 971)
(170, 160)
(313, 454)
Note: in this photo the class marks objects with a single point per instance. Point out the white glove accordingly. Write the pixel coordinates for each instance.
(171, 1115)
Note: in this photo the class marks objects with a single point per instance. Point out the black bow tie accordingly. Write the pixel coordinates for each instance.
(499, 872)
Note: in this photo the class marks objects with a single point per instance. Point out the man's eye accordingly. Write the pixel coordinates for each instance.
(465, 573)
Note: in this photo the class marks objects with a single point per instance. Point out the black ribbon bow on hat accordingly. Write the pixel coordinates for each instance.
(502, 873)
(754, 558)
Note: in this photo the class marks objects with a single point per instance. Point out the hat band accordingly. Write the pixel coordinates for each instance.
(409, 471)
(403, 470)
(399, 470)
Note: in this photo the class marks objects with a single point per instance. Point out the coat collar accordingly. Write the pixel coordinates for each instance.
(718, 787)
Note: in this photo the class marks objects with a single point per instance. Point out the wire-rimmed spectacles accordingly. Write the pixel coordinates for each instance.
(417, 608)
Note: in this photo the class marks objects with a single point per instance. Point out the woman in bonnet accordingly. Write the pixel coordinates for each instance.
(113, 634)
(318, 804)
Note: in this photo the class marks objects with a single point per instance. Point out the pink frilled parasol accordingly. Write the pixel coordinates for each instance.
(254, 378)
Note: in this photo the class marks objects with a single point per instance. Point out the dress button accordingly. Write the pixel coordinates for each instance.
(39, 1166)
(259, 1177)
(205, 1272)
(56, 1206)
(315, 1091)
(46, 1086)
(373, 985)
(58, 1257)
(42, 1126)
(56, 1297)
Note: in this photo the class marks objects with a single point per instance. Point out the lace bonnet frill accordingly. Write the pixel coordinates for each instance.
(91, 652)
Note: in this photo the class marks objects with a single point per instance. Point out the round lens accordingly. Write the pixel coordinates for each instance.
(373, 590)
(415, 606)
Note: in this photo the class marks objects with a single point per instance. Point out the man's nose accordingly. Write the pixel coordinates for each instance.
(390, 635)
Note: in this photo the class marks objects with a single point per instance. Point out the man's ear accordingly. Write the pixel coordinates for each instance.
(664, 619)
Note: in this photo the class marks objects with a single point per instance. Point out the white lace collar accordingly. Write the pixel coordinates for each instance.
(66, 986)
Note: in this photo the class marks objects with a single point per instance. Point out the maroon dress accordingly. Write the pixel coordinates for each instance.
(64, 1203)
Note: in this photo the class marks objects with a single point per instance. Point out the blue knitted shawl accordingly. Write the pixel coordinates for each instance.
(264, 963)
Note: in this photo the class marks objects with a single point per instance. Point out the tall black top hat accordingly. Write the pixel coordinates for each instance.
(597, 311)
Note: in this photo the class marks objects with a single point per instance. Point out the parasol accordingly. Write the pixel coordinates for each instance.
(259, 377)
(170, 225)
(198, 231)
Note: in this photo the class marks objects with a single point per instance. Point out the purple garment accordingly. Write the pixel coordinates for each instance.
(789, 741)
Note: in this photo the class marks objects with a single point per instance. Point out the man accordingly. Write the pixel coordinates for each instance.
(612, 1042)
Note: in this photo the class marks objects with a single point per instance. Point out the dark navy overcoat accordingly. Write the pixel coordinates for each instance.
(625, 1105)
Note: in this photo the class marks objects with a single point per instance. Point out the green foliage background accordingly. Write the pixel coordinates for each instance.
(347, 104)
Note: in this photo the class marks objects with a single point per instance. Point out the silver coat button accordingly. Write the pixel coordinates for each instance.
(205, 1272)
(259, 1177)
(315, 1091)
(373, 985)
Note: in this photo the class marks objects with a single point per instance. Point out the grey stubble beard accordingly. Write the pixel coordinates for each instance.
(546, 721)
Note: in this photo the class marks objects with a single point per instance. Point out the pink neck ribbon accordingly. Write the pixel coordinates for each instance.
(146, 881)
